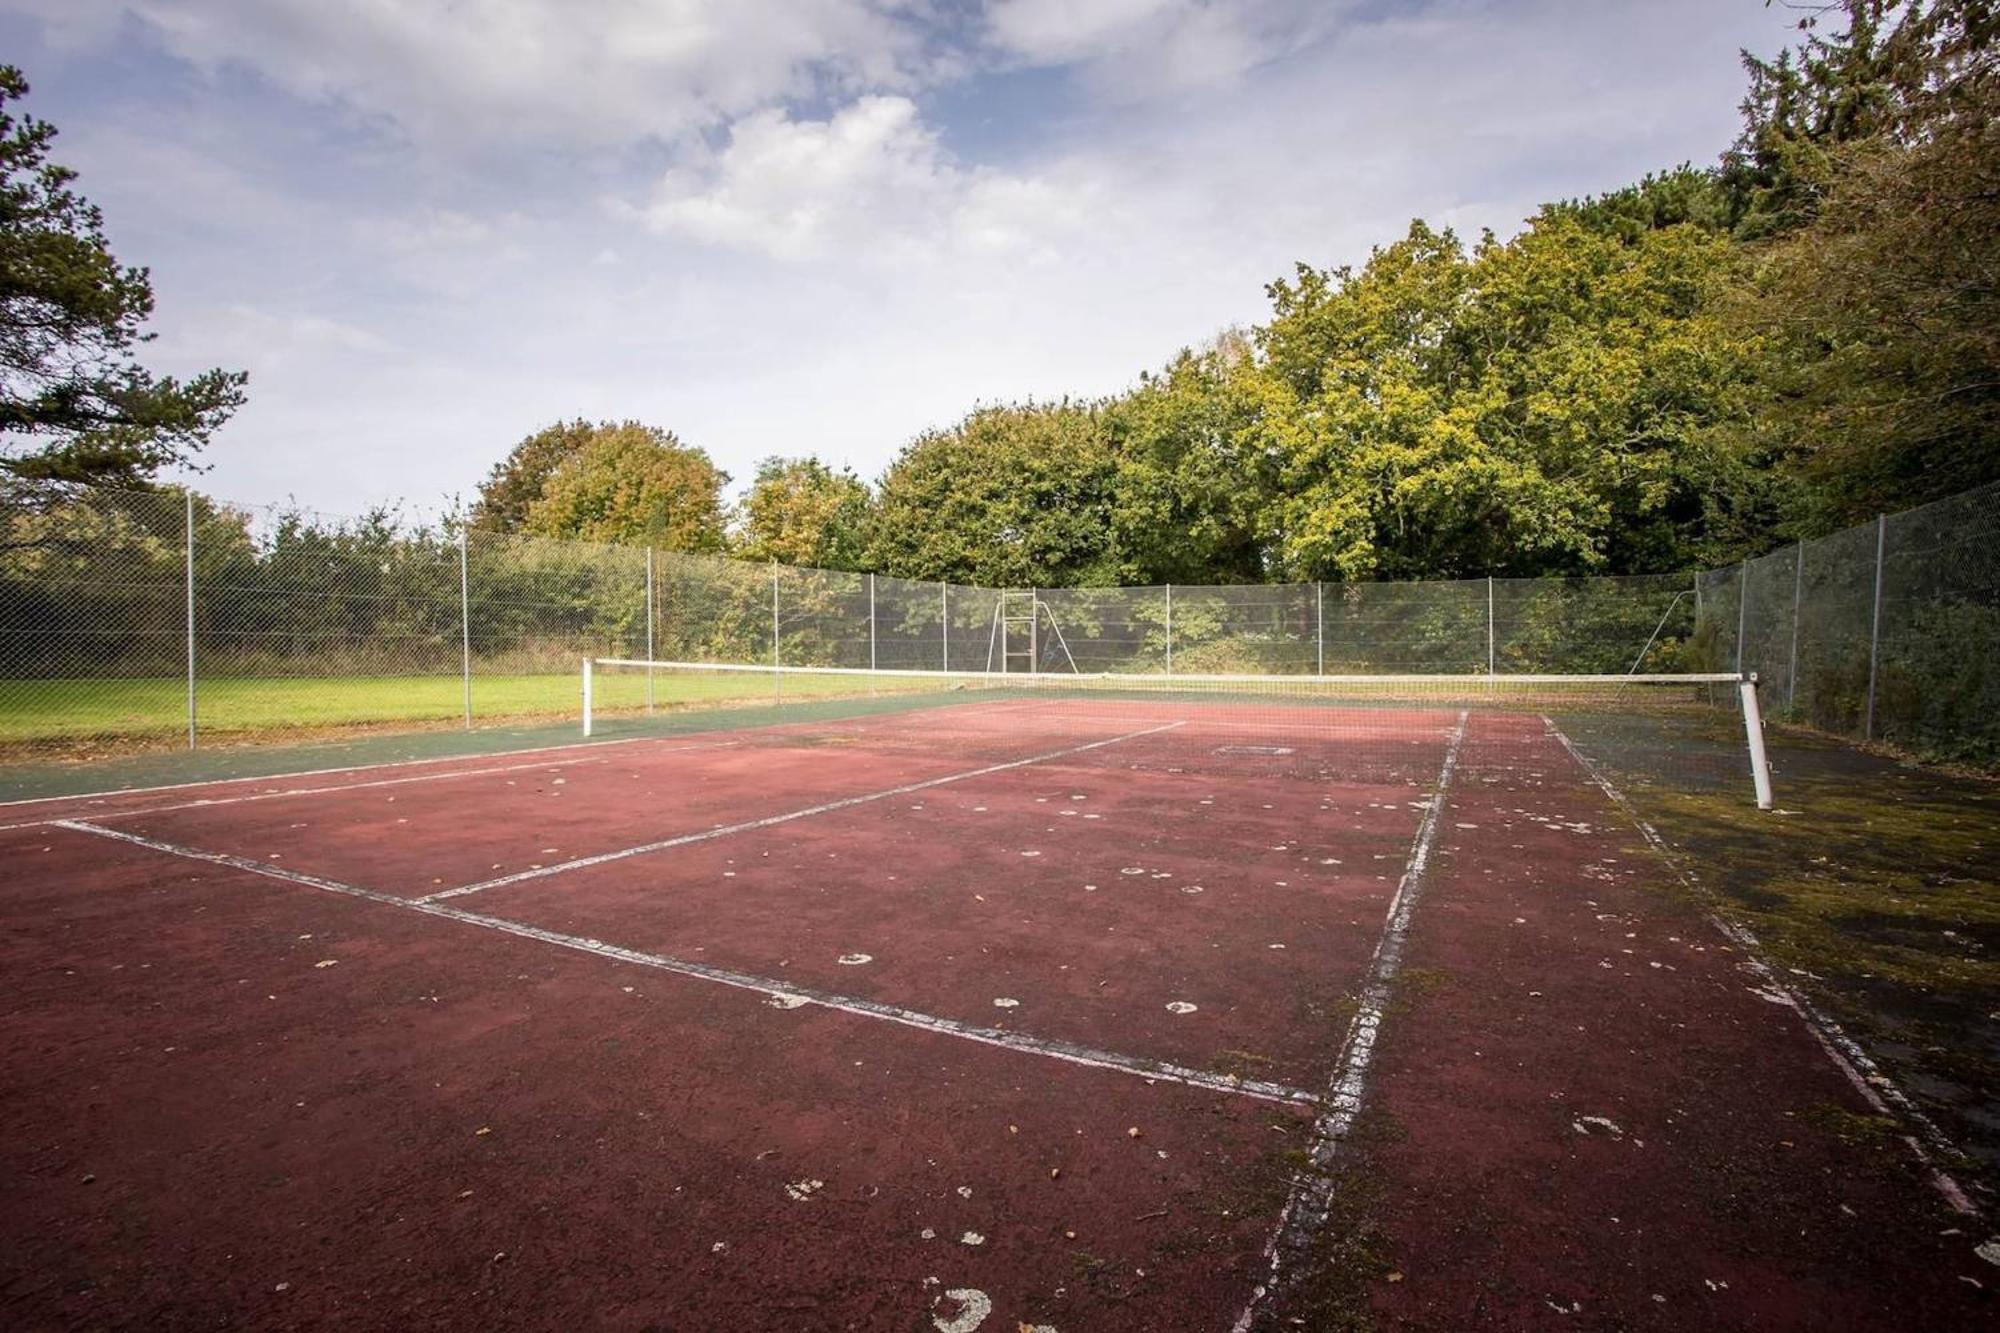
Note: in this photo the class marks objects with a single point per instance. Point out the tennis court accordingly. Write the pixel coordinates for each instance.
(929, 1003)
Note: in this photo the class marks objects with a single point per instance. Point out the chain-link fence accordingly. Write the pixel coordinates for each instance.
(128, 618)
(1885, 632)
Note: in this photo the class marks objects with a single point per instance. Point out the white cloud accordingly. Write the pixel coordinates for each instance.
(871, 183)
(601, 72)
(1139, 50)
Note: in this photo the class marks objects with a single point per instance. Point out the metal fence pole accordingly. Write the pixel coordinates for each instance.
(777, 676)
(188, 498)
(871, 622)
(465, 623)
(1489, 624)
(1875, 627)
(1319, 627)
(1742, 611)
(1170, 629)
(944, 623)
(651, 655)
(1798, 589)
(1034, 632)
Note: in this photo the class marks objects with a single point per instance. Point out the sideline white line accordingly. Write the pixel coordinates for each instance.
(1049, 1048)
(1312, 1196)
(211, 801)
(602, 858)
(1877, 1089)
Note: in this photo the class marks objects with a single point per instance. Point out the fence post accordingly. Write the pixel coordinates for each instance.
(1875, 628)
(188, 499)
(465, 622)
(777, 676)
(871, 622)
(1034, 632)
(1489, 624)
(651, 655)
(1742, 610)
(1319, 627)
(1170, 629)
(1792, 670)
(944, 623)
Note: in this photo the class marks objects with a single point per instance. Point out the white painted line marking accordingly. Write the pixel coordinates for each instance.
(1305, 1211)
(751, 825)
(1876, 1088)
(778, 992)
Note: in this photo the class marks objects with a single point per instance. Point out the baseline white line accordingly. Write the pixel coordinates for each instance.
(1049, 1048)
(1312, 1196)
(749, 825)
(1876, 1088)
(210, 801)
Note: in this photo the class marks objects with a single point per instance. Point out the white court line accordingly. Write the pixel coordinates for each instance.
(1067, 1052)
(768, 821)
(1876, 1088)
(1305, 1211)
(208, 801)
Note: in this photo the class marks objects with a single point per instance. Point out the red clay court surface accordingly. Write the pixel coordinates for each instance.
(984, 1018)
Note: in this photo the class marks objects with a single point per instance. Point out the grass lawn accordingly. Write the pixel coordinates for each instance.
(39, 711)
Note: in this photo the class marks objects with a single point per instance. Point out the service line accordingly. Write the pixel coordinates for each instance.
(768, 821)
(787, 993)
(1312, 1195)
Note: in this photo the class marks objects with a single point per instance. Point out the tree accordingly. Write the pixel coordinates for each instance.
(1010, 497)
(516, 481)
(632, 483)
(1880, 380)
(801, 512)
(75, 405)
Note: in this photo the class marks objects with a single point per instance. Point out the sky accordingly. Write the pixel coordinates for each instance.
(428, 228)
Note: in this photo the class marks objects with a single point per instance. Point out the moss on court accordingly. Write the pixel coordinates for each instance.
(1875, 885)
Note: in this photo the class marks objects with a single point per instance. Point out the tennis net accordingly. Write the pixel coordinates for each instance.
(1680, 731)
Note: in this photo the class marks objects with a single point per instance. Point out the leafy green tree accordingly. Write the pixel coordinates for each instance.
(1194, 483)
(801, 512)
(1879, 386)
(516, 481)
(75, 405)
(1010, 497)
(632, 483)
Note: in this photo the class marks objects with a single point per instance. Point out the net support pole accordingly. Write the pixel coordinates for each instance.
(1798, 591)
(1170, 629)
(1489, 624)
(650, 654)
(589, 669)
(1753, 728)
(1875, 627)
(1319, 628)
(465, 623)
(871, 622)
(188, 512)
(1742, 611)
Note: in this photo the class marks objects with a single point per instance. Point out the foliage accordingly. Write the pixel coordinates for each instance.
(75, 405)
(632, 483)
(516, 481)
(1009, 497)
(801, 512)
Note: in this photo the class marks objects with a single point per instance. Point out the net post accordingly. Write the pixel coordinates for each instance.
(465, 622)
(187, 498)
(651, 655)
(1170, 629)
(871, 622)
(1753, 728)
(589, 669)
(1489, 624)
(1798, 590)
(1319, 627)
(1875, 627)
